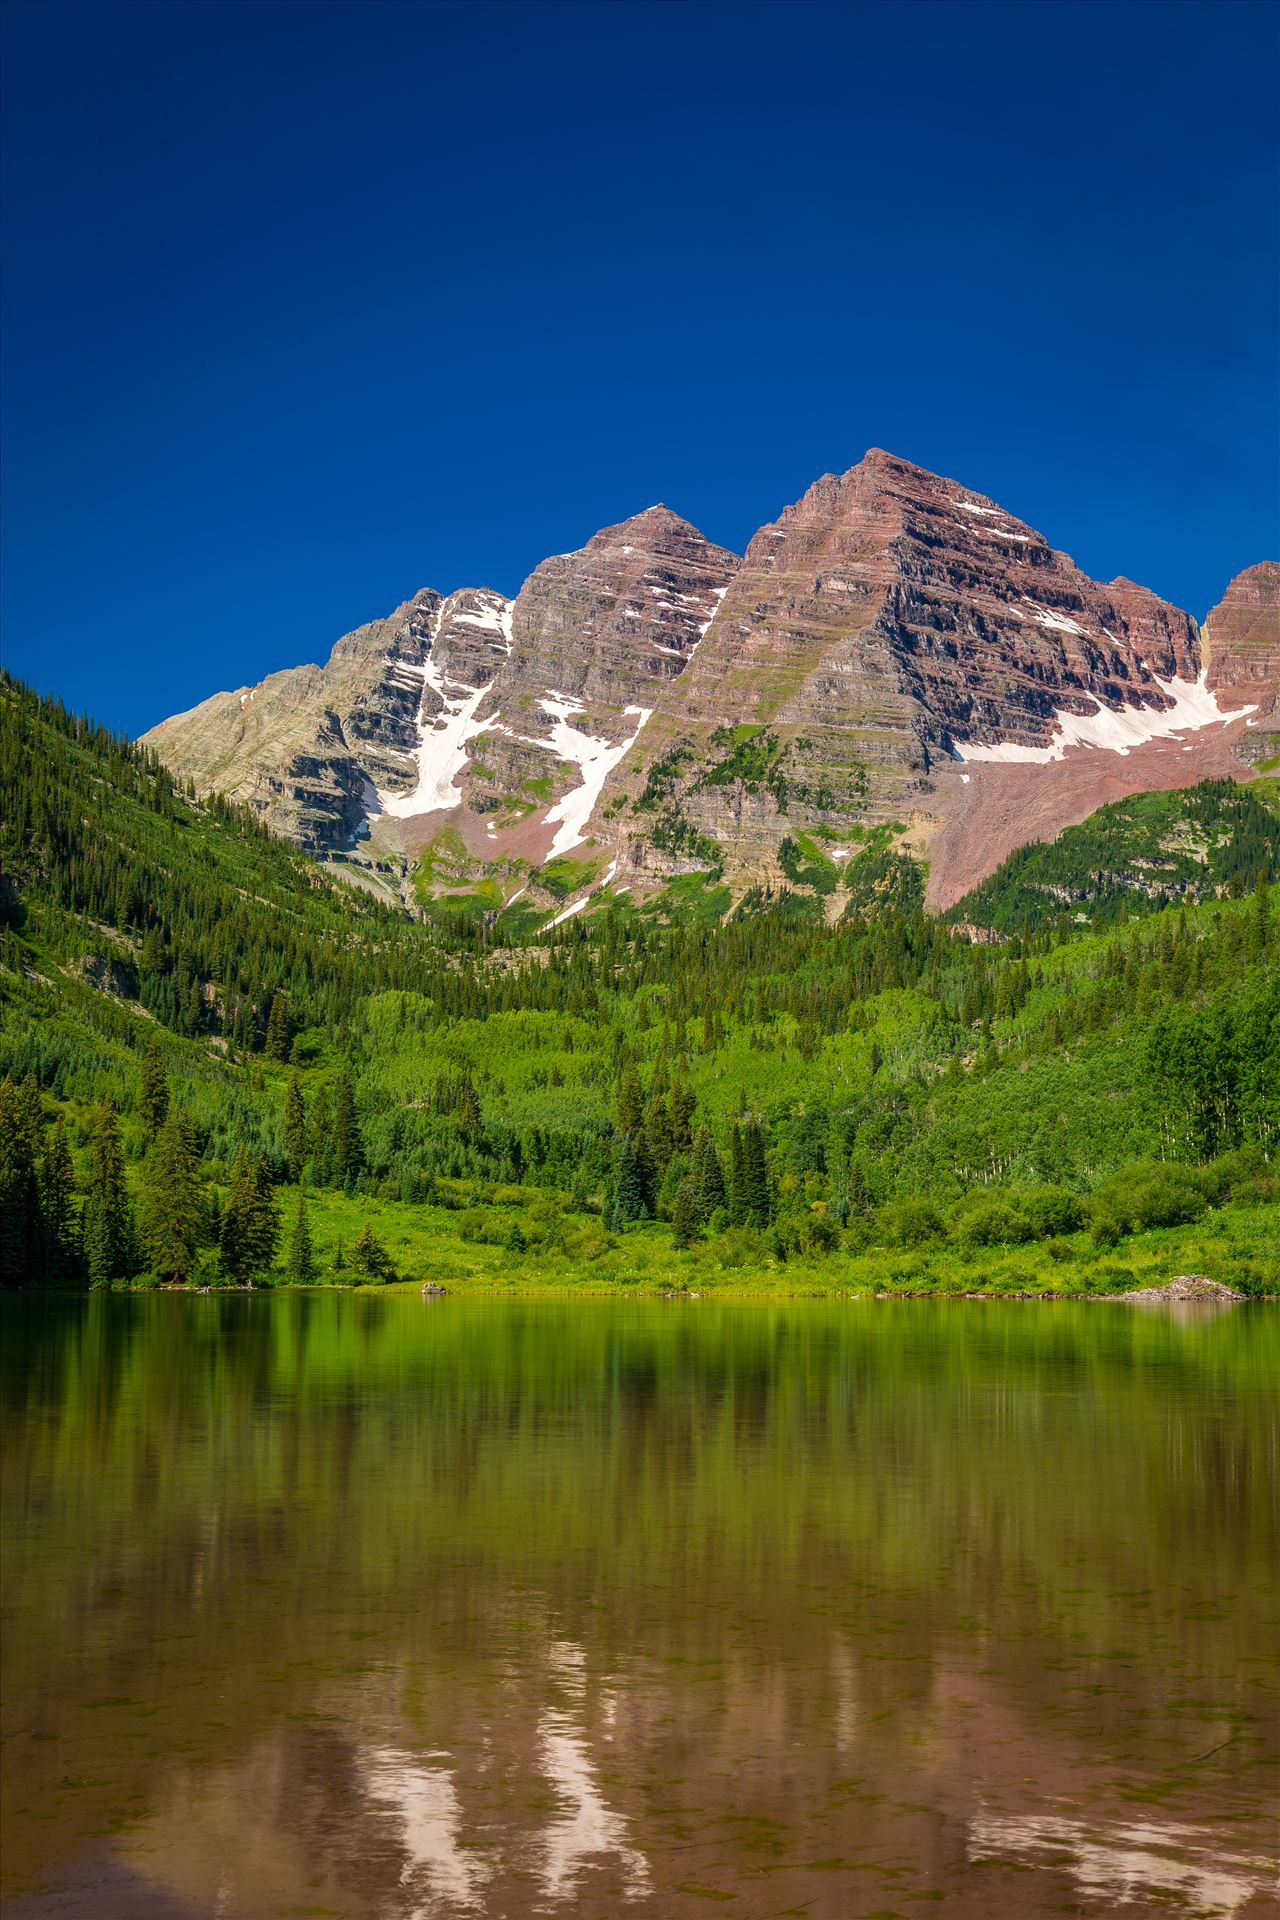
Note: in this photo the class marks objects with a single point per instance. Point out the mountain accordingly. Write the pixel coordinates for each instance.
(898, 671)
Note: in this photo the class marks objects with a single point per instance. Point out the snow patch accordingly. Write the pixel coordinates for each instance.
(442, 741)
(1059, 622)
(597, 759)
(569, 912)
(1119, 731)
(718, 597)
(971, 506)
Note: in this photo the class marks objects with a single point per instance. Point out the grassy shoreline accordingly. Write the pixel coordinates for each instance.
(429, 1245)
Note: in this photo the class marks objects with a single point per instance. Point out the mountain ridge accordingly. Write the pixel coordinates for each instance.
(894, 651)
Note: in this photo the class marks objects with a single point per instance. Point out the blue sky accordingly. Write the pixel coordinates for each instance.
(307, 306)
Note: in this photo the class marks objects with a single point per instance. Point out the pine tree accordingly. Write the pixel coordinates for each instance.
(737, 1196)
(55, 1179)
(109, 1238)
(320, 1136)
(629, 1110)
(370, 1257)
(657, 1134)
(250, 1228)
(19, 1195)
(628, 1188)
(685, 1215)
(294, 1135)
(153, 1090)
(173, 1217)
(468, 1112)
(279, 1028)
(707, 1176)
(757, 1191)
(681, 1102)
(302, 1265)
(348, 1150)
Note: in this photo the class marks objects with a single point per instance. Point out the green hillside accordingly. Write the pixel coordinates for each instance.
(222, 1065)
(1150, 851)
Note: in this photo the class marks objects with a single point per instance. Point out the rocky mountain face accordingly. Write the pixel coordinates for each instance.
(1243, 637)
(895, 655)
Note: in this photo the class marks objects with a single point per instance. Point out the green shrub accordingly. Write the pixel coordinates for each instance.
(911, 1223)
(997, 1221)
(1155, 1193)
(1053, 1211)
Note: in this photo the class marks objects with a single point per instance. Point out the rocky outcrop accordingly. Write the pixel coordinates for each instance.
(1242, 637)
(1188, 1289)
(307, 747)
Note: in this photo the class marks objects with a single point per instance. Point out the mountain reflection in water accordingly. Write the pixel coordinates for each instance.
(338, 1605)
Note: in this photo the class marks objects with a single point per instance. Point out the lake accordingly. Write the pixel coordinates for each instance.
(330, 1604)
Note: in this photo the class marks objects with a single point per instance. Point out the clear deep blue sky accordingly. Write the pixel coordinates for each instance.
(306, 306)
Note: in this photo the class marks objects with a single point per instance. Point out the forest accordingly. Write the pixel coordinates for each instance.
(221, 1066)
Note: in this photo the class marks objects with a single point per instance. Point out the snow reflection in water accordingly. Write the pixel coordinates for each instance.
(1129, 1861)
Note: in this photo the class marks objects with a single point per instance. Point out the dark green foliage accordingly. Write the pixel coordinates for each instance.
(707, 1177)
(173, 1211)
(250, 1230)
(301, 1261)
(20, 1226)
(686, 1215)
(59, 1227)
(369, 1258)
(294, 1130)
(629, 1200)
(110, 1238)
(279, 1027)
(153, 1090)
(346, 1152)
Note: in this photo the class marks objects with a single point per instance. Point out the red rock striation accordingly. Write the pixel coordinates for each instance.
(1243, 637)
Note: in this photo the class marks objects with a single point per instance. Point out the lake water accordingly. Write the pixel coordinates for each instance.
(347, 1605)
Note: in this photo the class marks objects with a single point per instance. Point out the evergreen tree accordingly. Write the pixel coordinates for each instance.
(468, 1111)
(757, 1194)
(659, 1145)
(348, 1150)
(153, 1090)
(109, 1238)
(320, 1136)
(19, 1196)
(685, 1215)
(302, 1265)
(681, 1102)
(55, 1180)
(279, 1028)
(628, 1188)
(250, 1227)
(737, 1196)
(173, 1217)
(707, 1176)
(294, 1133)
(369, 1257)
(629, 1110)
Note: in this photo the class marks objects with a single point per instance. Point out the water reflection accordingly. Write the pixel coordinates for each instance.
(329, 1606)
(587, 1826)
(421, 1797)
(1179, 1866)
